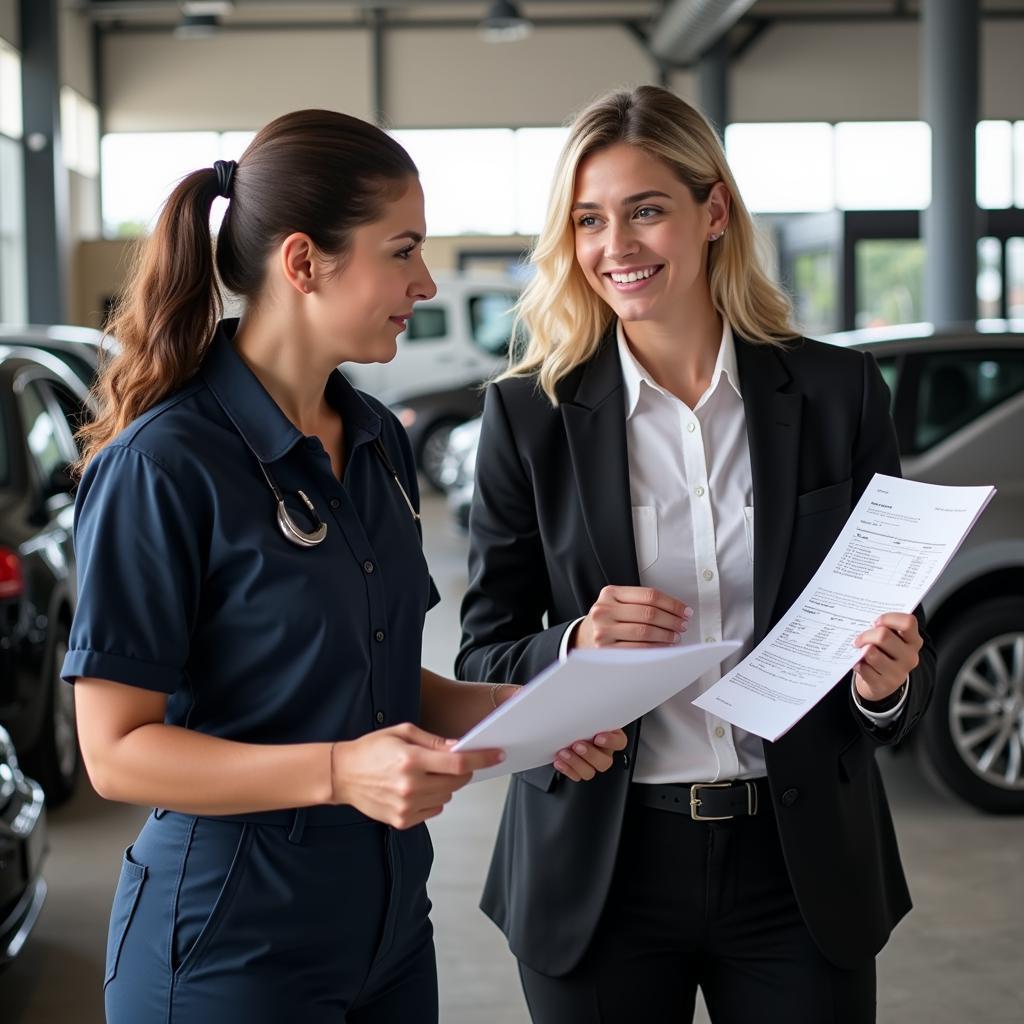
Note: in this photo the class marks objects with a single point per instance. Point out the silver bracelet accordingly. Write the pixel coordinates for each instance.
(494, 693)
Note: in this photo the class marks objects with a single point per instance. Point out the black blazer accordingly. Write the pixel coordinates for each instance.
(551, 525)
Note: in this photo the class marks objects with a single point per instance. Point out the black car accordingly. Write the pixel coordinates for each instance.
(41, 402)
(23, 844)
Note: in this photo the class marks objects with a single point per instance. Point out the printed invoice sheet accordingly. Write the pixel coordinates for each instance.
(895, 544)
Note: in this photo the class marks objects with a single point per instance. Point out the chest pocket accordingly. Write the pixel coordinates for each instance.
(645, 535)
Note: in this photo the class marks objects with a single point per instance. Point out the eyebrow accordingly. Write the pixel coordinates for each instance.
(628, 201)
(413, 236)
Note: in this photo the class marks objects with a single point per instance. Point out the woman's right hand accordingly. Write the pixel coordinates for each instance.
(632, 617)
(402, 776)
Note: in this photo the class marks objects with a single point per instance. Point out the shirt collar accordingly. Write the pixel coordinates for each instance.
(634, 374)
(257, 417)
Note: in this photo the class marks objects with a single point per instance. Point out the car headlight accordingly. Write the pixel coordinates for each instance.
(8, 754)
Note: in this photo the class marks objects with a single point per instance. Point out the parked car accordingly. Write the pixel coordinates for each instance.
(41, 403)
(23, 846)
(958, 406)
(79, 347)
(452, 344)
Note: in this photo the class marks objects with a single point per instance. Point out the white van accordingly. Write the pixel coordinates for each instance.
(458, 338)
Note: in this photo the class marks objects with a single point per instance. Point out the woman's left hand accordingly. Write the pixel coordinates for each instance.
(891, 648)
(586, 758)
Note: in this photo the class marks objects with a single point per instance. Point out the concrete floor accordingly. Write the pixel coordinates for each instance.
(956, 960)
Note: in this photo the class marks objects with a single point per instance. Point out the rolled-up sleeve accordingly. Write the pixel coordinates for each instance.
(139, 573)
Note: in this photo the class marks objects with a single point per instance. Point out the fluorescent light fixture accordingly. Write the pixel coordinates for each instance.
(504, 23)
(197, 26)
(212, 8)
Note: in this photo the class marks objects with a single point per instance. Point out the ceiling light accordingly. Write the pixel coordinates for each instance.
(197, 26)
(504, 23)
(216, 8)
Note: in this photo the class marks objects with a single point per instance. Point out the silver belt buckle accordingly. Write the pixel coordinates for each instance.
(695, 801)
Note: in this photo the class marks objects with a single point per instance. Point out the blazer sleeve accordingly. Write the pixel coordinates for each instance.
(503, 634)
(876, 451)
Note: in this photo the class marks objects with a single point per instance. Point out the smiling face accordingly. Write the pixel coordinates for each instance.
(640, 235)
(366, 305)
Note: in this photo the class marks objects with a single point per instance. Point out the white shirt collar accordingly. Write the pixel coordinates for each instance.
(634, 374)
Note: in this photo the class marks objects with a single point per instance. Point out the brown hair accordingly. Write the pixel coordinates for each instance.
(315, 171)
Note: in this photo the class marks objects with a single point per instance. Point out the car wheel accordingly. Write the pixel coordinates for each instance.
(973, 733)
(55, 761)
(433, 445)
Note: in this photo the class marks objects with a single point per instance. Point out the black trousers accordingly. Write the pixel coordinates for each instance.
(708, 905)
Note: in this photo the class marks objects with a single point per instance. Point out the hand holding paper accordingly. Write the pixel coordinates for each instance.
(593, 690)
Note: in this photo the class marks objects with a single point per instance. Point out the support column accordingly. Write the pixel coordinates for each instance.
(46, 182)
(713, 85)
(949, 93)
(378, 67)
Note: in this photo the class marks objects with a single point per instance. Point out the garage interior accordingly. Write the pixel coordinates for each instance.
(880, 144)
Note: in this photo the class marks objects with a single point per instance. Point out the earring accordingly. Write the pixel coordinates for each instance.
(715, 238)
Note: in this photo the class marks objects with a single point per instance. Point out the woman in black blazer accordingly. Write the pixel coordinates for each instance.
(668, 463)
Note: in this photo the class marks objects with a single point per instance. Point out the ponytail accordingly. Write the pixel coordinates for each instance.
(288, 180)
(165, 318)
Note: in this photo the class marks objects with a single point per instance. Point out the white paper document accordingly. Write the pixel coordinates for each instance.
(893, 547)
(590, 692)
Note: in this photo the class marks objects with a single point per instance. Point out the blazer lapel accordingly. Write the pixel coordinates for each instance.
(595, 425)
(773, 435)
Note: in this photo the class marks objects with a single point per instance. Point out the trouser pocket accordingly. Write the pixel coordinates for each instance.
(126, 899)
(214, 864)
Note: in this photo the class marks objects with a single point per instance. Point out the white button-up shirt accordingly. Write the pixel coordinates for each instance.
(692, 497)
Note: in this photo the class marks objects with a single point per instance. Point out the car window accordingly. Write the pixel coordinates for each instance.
(957, 387)
(74, 411)
(890, 367)
(427, 323)
(5, 449)
(491, 319)
(42, 432)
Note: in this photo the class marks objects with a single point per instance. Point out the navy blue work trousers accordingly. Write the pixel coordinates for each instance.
(272, 918)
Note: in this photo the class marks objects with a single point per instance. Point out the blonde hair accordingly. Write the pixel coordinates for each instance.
(563, 318)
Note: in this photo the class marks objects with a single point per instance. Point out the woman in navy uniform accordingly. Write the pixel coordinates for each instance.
(252, 593)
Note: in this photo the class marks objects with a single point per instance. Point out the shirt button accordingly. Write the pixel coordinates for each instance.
(708, 574)
(699, 491)
(691, 426)
(790, 797)
(379, 636)
(335, 504)
(719, 731)
(367, 566)
(380, 717)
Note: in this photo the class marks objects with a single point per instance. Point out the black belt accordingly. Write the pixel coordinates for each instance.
(704, 801)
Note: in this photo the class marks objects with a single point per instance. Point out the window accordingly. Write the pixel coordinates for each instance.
(80, 133)
(1015, 277)
(426, 324)
(814, 292)
(10, 91)
(890, 282)
(13, 272)
(990, 277)
(957, 387)
(782, 168)
(42, 433)
(74, 411)
(884, 165)
(994, 163)
(889, 366)
(491, 318)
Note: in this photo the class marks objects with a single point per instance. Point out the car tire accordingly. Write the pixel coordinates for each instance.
(55, 760)
(973, 732)
(431, 451)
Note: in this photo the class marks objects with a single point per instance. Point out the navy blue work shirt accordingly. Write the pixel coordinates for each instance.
(187, 586)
